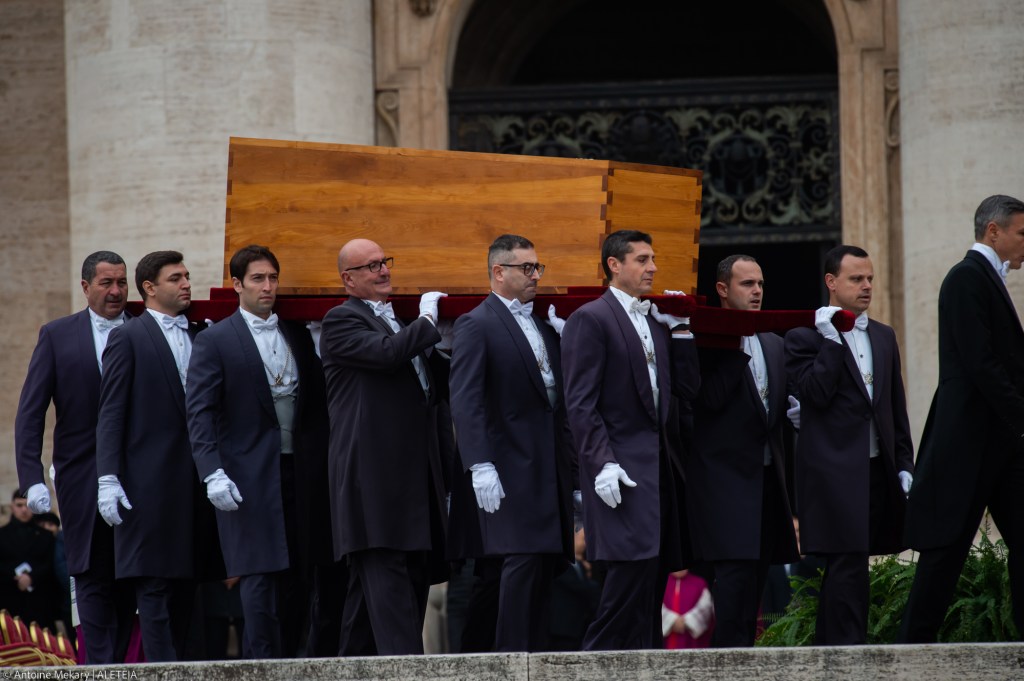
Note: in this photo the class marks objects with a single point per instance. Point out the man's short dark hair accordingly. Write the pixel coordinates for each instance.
(94, 259)
(618, 244)
(724, 272)
(503, 245)
(834, 258)
(18, 494)
(149, 267)
(998, 209)
(249, 254)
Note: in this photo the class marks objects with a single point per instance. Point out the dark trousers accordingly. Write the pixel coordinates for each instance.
(846, 584)
(629, 608)
(165, 610)
(262, 636)
(392, 586)
(523, 615)
(106, 607)
(326, 606)
(938, 570)
(739, 584)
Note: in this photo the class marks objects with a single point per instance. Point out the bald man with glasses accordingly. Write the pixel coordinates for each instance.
(384, 459)
(509, 411)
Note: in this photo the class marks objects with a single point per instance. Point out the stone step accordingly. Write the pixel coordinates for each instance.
(963, 662)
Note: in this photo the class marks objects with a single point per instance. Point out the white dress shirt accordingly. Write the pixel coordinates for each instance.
(278, 361)
(643, 330)
(860, 345)
(101, 328)
(540, 351)
(178, 340)
(993, 259)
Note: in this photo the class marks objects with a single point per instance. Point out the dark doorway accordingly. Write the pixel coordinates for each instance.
(746, 92)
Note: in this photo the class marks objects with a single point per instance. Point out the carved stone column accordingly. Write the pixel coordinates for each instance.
(34, 195)
(156, 88)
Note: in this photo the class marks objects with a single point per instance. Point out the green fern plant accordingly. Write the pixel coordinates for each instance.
(981, 609)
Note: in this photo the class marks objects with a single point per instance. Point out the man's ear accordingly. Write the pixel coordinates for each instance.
(614, 264)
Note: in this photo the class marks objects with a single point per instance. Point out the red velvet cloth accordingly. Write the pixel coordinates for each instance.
(712, 326)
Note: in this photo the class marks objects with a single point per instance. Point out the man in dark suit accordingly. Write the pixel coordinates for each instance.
(387, 485)
(738, 507)
(257, 419)
(143, 455)
(509, 412)
(854, 458)
(28, 584)
(971, 450)
(65, 370)
(624, 373)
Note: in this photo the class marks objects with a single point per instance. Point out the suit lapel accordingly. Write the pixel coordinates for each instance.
(87, 353)
(634, 352)
(519, 339)
(166, 358)
(853, 367)
(980, 260)
(751, 383)
(363, 309)
(773, 357)
(880, 361)
(253, 359)
(664, 363)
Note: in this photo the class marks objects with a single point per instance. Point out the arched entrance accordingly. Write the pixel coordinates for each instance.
(418, 44)
(745, 92)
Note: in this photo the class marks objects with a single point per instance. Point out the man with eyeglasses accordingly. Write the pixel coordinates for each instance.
(625, 375)
(509, 411)
(387, 485)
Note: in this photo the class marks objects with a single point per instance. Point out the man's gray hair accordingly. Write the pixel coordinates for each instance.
(998, 209)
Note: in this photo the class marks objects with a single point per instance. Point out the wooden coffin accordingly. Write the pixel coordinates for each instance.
(436, 212)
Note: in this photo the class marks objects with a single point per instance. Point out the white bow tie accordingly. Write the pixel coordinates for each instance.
(261, 325)
(520, 308)
(383, 310)
(861, 322)
(643, 307)
(169, 322)
(103, 324)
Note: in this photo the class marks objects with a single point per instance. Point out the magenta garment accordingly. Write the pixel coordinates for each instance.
(681, 594)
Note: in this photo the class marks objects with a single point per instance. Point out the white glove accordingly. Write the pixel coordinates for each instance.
(109, 495)
(315, 329)
(606, 484)
(793, 413)
(221, 492)
(556, 322)
(667, 292)
(428, 304)
(698, 619)
(671, 321)
(38, 498)
(487, 486)
(906, 481)
(823, 322)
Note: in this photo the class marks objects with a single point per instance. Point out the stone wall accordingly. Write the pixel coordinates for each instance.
(34, 239)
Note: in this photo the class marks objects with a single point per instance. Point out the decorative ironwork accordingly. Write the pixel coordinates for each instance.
(769, 151)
